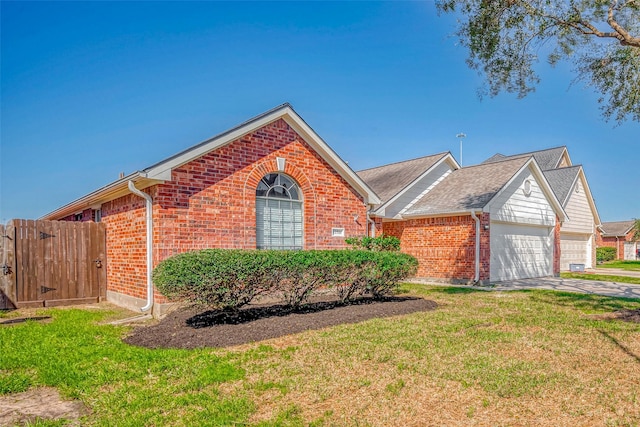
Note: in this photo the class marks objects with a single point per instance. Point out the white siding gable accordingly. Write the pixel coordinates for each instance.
(418, 189)
(512, 205)
(581, 218)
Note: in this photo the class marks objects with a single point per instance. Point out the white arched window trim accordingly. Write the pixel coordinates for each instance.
(279, 219)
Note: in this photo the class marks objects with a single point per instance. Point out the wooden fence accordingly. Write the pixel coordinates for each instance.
(48, 263)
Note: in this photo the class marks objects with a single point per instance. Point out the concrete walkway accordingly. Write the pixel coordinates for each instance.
(611, 289)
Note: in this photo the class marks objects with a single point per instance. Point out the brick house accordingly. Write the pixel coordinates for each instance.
(272, 182)
(620, 235)
(569, 183)
(489, 222)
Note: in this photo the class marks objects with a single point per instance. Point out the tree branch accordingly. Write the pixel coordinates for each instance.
(625, 38)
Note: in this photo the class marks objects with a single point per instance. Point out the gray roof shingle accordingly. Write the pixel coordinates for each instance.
(547, 159)
(468, 188)
(561, 180)
(389, 180)
(617, 228)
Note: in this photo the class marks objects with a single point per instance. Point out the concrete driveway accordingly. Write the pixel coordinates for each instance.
(611, 289)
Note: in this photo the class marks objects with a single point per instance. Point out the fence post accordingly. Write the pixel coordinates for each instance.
(8, 294)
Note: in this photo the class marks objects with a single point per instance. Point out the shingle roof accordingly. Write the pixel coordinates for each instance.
(389, 180)
(561, 180)
(547, 159)
(617, 228)
(468, 188)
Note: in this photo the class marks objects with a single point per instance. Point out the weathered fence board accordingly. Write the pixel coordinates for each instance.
(8, 267)
(54, 263)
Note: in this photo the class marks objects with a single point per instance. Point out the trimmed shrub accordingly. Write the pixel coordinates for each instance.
(217, 278)
(229, 279)
(380, 243)
(605, 253)
(389, 269)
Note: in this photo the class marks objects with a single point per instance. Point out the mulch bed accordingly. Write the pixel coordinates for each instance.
(628, 315)
(189, 328)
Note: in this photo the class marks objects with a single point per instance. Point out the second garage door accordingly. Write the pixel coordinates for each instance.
(520, 251)
(575, 249)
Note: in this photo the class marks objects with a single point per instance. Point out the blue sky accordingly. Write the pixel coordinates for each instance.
(89, 90)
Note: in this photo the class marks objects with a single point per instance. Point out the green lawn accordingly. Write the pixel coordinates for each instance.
(488, 358)
(602, 277)
(625, 265)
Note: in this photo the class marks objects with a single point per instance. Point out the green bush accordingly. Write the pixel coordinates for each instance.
(229, 279)
(380, 243)
(224, 279)
(605, 253)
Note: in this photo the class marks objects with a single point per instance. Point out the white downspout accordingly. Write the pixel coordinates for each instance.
(371, 226)
(149, 218)
(476, 278)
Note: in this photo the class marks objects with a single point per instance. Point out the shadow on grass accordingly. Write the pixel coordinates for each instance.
(620, 345)
(586, 302)
(250, 314)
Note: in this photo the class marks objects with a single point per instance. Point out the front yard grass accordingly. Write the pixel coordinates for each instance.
(624, 265)
(486, 358)
(602, 277)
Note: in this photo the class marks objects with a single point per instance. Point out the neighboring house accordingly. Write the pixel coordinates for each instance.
(620, 235)
(270, 182)
(569, 183)
(489, 222)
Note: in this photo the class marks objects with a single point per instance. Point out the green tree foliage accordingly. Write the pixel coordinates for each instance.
(636, 229)
(601, 38)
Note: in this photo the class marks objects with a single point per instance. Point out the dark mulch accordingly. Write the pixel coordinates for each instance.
(189, 328)
(628, 315)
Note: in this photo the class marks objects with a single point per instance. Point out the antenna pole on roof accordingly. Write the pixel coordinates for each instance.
(461, 136)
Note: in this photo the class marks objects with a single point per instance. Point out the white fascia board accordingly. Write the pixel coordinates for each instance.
(445, 158)
(571, 189)
(439, 214)
(532, 165)
(102, 195)
(330, 156)
(163, 169)
(592, 202)
(565, 153)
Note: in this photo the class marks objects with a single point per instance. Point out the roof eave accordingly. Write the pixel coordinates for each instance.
(445, 157)
(102, 195)
(436, 214)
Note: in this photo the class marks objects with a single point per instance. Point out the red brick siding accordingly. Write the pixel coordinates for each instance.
(210, 203)
(613, 242)
(445, 246)
(125, 225)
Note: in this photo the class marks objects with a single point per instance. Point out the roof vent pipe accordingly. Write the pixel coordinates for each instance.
(149, 218)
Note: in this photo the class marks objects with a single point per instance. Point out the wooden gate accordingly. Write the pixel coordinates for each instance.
(49, 263)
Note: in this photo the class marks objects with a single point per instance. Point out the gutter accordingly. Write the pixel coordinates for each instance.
(149, 219)
(476, 278)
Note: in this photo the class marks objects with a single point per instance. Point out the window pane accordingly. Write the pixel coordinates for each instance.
(278, 218)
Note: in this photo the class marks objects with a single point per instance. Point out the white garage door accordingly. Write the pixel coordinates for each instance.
(520, 251)
(575, 249)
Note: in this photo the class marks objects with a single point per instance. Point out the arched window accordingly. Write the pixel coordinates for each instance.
(278, 213)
